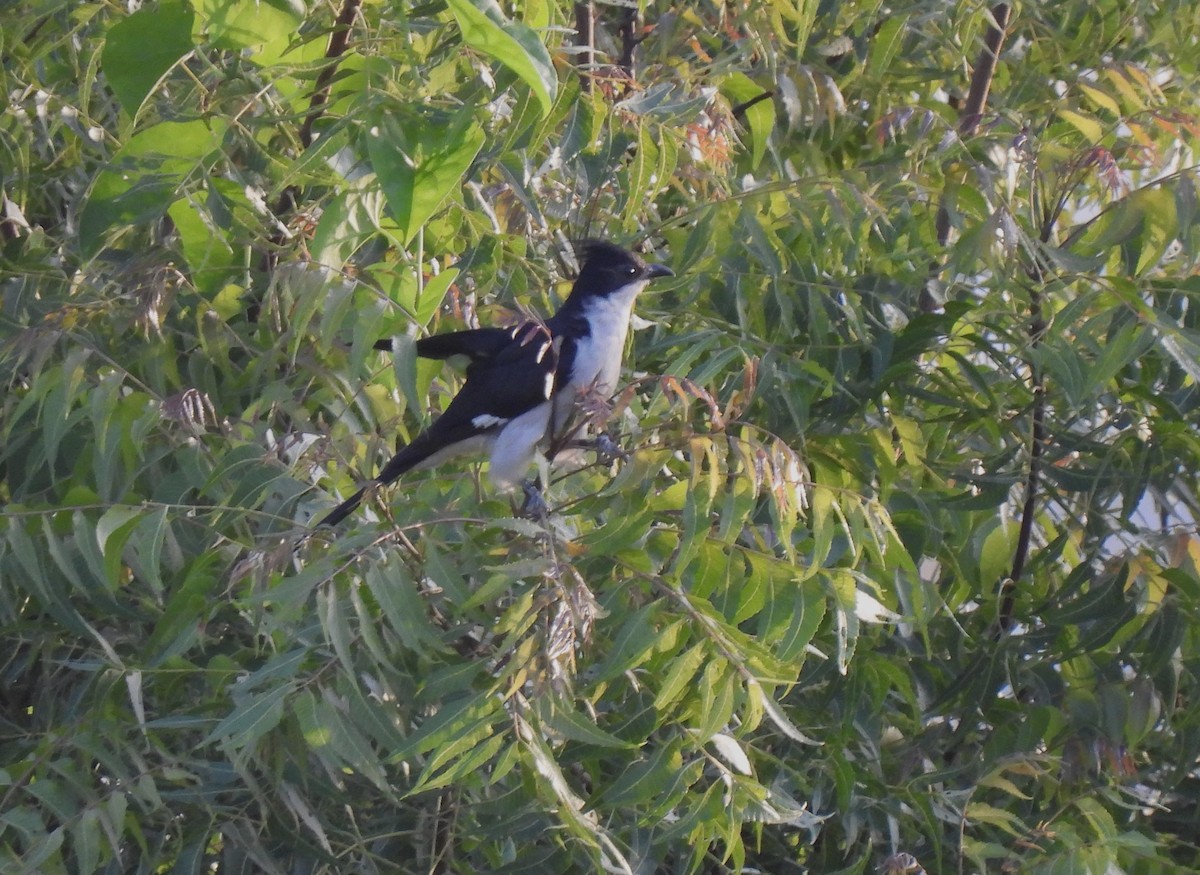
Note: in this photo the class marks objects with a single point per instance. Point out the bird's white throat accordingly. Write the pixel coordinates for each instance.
(598, 356)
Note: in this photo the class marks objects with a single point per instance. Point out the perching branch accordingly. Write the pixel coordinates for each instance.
(985, 71)
(1037, 432)
(739, 111)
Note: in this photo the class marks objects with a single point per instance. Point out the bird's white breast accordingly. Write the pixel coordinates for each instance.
(598, 356)
(513, 450)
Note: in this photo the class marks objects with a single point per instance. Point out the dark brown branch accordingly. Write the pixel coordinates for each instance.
(339, 39)
(968, 123)
(973, 109)
(739, 111)
(1037, 438)
(585, 39)
(627, 32)
(985, 71)
(1037, 432)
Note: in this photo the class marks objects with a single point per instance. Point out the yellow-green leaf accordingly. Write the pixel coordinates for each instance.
(1085, 124)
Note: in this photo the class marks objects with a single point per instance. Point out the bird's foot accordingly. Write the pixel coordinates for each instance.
(608, 449)
(535, 506)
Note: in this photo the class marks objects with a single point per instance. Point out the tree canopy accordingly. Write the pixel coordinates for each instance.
(898, 571)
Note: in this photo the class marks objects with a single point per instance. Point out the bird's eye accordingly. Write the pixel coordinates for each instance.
(631, 270)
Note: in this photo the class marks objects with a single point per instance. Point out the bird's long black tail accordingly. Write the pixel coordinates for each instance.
(405, 460)
(344, 509)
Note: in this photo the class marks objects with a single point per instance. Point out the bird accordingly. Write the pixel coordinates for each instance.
(522, 382)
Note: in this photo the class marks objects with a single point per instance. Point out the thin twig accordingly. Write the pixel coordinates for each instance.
(739, 111)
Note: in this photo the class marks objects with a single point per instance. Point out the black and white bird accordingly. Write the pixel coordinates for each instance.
(522, 382)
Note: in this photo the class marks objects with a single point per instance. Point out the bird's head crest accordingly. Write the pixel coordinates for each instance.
(605, 267)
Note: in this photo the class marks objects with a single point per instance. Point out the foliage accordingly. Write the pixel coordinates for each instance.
(900, 573)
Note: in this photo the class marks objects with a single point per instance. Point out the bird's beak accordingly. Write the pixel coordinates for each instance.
(653, 271)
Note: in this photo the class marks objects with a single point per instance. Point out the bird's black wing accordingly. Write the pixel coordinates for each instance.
(514, 376)
(474, 343)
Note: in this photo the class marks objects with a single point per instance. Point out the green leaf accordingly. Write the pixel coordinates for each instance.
(406, 612)
(1161, 226)
(886, 43)
(683, 669)
(642, 169)
(1087, 125)
(759, 118)
(1102, 99)
(476, 754)
(845, 595)
(266, 28)
(206, 249)
(635, 640)
(426, 304)
(186, 610)
(454, 718)
(146, 176)
(140, 49)
(420, 164)
(718, 693)
(559, 718)
(254, 715)
(48, 590)
(515, 45)
(647, 778)
(85, 841)
(982, 812)
(776, 714)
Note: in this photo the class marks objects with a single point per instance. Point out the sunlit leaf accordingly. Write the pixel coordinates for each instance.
(512, 43)
(419, 169)
(146, 176)
(1091, 129)
(140, 49)
(759, 118)
(266, 28)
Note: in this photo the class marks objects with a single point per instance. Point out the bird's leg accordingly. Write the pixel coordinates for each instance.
(535, 506)
(608, 449)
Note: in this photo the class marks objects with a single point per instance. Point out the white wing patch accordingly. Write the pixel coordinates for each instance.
(487, 420)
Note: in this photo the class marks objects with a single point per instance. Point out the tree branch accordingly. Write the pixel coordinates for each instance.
(739, 111)
(985, 71)
(585, 39)
(627, 31)
(1037, 431)
(339, 41)
(968, 124)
